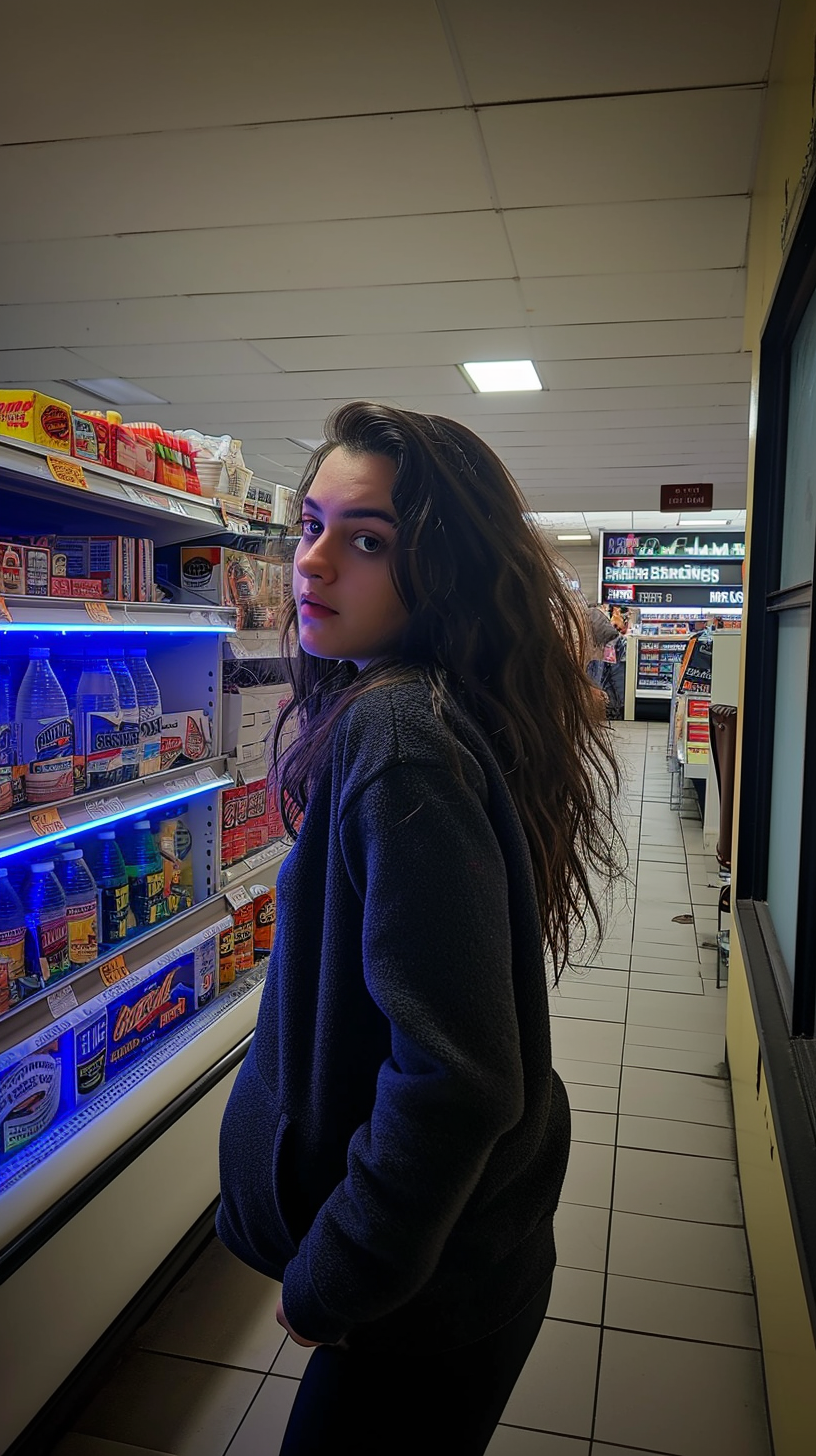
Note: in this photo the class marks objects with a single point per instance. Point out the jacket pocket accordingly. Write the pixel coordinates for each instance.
(254, 1141)
(283, 1188)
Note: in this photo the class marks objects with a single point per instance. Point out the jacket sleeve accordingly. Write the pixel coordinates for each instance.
(425, 861)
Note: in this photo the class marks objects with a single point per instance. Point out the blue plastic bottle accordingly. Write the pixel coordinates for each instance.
(150, 710)
(79, 888)
(13, 987)
(108, 869)
(69, 671)
(47, 923)
(98, 721)
(129, 707)
(145, 872)
(6, 740)
(45, 732)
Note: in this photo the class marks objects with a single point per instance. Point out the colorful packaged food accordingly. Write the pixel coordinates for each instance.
(264, 902)
(27, 415)
(132, 454)
(91, 437)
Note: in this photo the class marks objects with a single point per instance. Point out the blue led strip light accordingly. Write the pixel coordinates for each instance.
(109, 819)
(179, 628)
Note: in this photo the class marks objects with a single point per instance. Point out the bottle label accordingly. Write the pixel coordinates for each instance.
(131, 754)
(90, 1052)
(102, 737)
(7, 757)
(150, 741)
(12, 967)
(50, 936)
(47, 751)
(147, 897)
(113, 913)
(83, 939)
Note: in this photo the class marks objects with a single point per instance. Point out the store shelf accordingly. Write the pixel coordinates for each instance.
(85, 811)
(653, 692)
(59, 614)
(244, 645)
(244, 870)
(152, 949)
(157, 510)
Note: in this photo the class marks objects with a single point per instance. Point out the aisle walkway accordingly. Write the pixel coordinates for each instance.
(650, 1345)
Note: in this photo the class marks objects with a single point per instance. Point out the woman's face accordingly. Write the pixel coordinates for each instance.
(347, 604)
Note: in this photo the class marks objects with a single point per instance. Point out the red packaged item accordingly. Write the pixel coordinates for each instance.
(76, 586)
(92, 437)
(131, 453)
(264, 902)
(244, 936)
(240, 838)
(257, 821)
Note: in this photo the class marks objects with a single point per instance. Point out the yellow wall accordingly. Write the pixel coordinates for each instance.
(787, 1337)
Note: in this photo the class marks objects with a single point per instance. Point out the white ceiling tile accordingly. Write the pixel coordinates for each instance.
(248, 176)
(19, 366)
(690, 369)
(522, 50)
(624, 148)
(215, 64)
(324, 385)
(617, 341)
(613, 297)
(706, 232)
(382, 351)
(173, 360)
(329, 254)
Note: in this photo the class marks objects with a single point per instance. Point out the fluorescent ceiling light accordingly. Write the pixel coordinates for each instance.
(502, 376)
(578, 536)
(703, 521)
(309, 445)
(116, 391)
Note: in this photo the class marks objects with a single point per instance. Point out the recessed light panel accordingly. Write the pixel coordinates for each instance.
(577, 536)
(505, 376)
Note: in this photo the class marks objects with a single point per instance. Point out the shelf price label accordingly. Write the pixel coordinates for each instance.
(114, 970)
(205, 775)
(45, 821)
(67, 472)
(238, 897)
(101, 808)
(4, 611)
(61, 1001)
(99, 612)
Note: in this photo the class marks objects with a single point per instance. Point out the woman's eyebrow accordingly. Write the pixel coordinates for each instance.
(359, 513)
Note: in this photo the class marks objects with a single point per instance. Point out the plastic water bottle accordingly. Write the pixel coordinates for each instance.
(150, 708)
(69, 671)
(129, 707)
(108, 869)
(98, 724)
(79, 888)
(145, 873)
(47, 923)
(46, 733)
(6, 740)
(13, 987)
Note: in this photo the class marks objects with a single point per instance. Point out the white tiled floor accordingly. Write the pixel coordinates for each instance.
(650, 1347)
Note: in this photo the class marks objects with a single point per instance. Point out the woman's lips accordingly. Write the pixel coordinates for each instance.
(309, 608)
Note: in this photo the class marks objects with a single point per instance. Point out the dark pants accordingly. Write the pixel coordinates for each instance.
(435, 1403)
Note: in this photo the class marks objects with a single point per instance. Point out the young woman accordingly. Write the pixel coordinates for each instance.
(395, 1144)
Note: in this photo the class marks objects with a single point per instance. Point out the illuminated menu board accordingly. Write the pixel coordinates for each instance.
(690, 569)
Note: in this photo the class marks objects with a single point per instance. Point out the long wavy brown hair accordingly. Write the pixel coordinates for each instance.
(494, 627)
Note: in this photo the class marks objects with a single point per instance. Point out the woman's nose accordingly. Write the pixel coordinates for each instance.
(314, 557)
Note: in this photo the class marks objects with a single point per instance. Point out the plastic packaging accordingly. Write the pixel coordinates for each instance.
(79, 888)
(98, 723)
(46, 733)
(112, 895)
(175, 843)
(150, 710)
(47, 924)
(145, 874)
(7, 736)
(129, 708)
(13, 988)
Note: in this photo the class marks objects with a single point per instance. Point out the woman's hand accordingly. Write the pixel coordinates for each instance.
(280, 1316)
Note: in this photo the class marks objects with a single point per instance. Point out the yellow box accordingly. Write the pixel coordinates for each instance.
(27, 415)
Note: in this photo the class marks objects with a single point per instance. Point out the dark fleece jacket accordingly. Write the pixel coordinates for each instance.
(396, 1140)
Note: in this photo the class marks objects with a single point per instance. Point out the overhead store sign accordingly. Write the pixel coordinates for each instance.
(686, 497)
(682, 545)
(696, 570)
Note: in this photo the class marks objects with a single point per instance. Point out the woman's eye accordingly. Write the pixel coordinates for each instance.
(310, 527)
(367, 544)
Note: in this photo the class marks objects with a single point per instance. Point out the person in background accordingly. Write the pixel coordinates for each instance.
(602, 638)
(395, 1143)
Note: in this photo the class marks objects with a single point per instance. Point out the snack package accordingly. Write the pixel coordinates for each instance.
(264, 902)
(36, 418)
(186, 737)
(91, 437)
(132, 454)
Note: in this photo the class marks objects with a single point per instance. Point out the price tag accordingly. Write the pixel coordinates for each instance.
(175, 505)
(157, 501)
(4, 611)
(100, 808)
(133, 495)
(114, 970)
(67, 472)
(181, 786)
(45, 821)
(222, 510)
(61, 1001)
(98, 611)
(238, 897)
(205, 775)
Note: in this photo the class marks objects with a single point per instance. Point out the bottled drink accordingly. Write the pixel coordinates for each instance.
(69, 671)
(98, 724)
(79, 888)
(148, 698)
(129, 707)
(46, 734)
(6, 740)
(108, 869)
(145, 873)
(47, 923)
(12, 945)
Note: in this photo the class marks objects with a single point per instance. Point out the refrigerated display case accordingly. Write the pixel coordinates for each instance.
(114, 1072)
(650, 663)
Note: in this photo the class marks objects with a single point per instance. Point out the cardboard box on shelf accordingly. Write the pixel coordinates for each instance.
(77, 586)
(132, 454)
(112, 559)
(255, 585)
(91, 437)
(37, 570)
(25, 414)
(186, 737)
